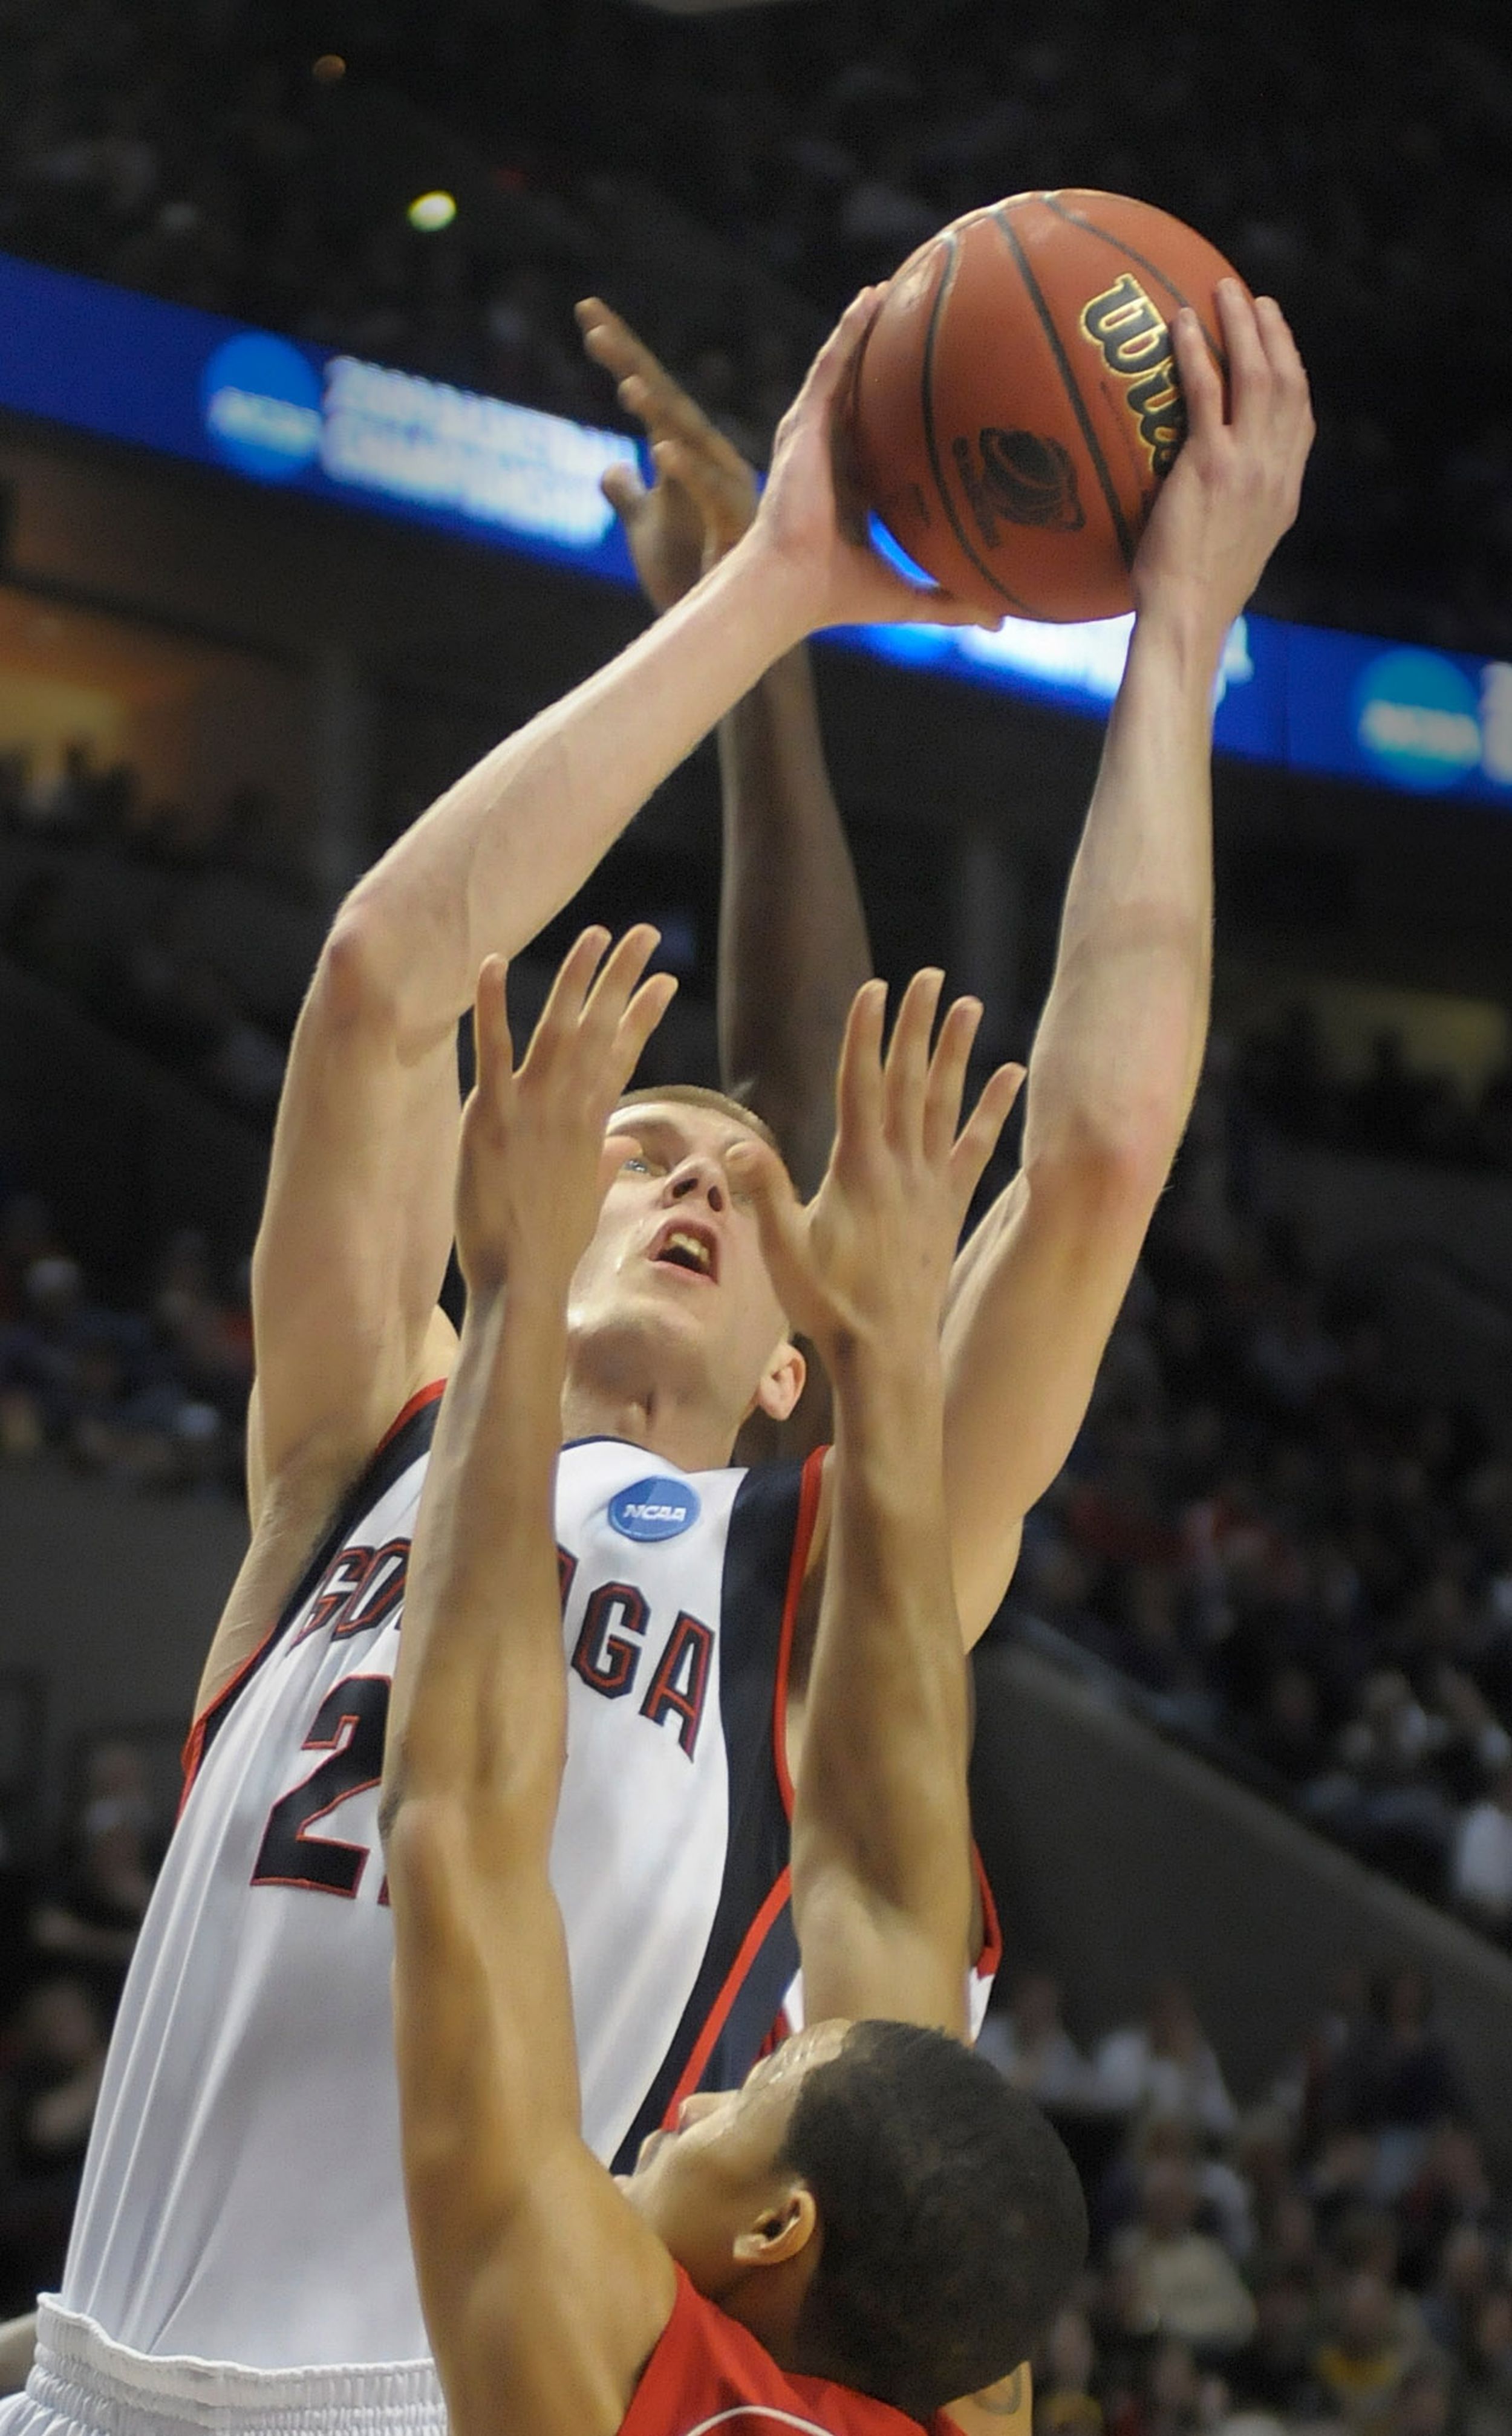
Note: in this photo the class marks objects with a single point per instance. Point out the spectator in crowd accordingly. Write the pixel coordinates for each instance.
(1164, 2066)
(89, 1916)
(1030, 2045)
(155, 1399)
(49, 2081)
(1065, 2399)
(1173, 2280)
(1482, 1879)
(1362, 2361)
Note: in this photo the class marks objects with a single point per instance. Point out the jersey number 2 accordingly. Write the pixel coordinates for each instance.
(350, 1725)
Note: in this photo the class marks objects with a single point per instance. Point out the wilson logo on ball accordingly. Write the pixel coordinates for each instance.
(1131, 335)
(1023, 477)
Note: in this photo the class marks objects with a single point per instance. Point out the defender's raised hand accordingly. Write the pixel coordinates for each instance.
(533, 1165)
(869, 1258)
(704, 493)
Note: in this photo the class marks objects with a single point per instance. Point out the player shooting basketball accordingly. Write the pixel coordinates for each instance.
(247, 2122)
(874, 2218)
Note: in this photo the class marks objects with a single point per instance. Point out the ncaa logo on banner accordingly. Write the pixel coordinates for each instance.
(657, 1508)
(261, 398)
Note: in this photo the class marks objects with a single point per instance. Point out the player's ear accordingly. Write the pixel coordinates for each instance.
(781, 1383)
(781, 2231)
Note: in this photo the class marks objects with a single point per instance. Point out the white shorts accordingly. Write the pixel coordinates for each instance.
(83, 2384)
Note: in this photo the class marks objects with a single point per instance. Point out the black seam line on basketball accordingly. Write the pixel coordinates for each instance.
(1104, 478)
(1078, 220)
(926, 400)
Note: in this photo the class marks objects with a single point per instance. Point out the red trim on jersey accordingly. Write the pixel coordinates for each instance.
(422, 1397)
(193, 1748)
(193, 1751)
(708, 2371)
(989, 1962)
(719, 2013)
(813, 1481)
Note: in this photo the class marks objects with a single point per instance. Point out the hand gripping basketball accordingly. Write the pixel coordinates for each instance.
(1235, 487)
(533, 1165)
(812, 514)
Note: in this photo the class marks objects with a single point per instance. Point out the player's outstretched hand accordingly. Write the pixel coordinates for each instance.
(1235, 487)
(812, 513)
(868, 1260)
(533, 1165)
(704, 493)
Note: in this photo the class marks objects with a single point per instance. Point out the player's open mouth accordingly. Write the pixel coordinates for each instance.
(687, 1244)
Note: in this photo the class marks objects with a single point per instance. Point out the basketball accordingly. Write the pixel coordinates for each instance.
(1017, 404)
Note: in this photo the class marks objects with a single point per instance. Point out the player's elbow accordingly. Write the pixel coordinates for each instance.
(1100, 1172)
(356, 980)
(426, 1844)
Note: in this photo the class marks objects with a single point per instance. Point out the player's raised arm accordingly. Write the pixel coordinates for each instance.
(1120, 1045)
(881, 1833)
(514, 2223)
(354, 1239)
(794, 949)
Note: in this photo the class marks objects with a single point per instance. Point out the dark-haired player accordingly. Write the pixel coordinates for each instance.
(873, 2223)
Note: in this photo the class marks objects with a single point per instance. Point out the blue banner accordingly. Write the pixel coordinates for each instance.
(273, 410)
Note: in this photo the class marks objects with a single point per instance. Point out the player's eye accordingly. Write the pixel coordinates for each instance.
(635, 1165)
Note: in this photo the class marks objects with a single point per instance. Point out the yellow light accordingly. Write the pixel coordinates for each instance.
(431, 211)
(329, 68)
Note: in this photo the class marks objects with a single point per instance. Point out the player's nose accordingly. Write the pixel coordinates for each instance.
(692, 2110)
(701, 1176)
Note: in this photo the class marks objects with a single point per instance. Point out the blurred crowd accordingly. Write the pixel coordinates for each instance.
(730, 182)
(154, 1398)
(145, 973)
(82, 802)
(1336, 2256)
(1301, 1559)
(67, 1929)
(1392, 1109)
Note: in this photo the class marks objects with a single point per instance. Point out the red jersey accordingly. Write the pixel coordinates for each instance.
(708, 2371)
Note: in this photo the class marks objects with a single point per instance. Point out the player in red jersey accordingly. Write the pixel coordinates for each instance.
(874, 2222)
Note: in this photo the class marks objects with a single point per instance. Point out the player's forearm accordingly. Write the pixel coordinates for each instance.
(1121, 1042)
(794, 949)
(881, 1795)
(506, 847)
(479, 1698)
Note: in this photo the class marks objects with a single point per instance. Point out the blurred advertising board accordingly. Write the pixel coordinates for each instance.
(274, 410)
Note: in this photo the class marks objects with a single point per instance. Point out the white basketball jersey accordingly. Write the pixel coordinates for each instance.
(243, 2198)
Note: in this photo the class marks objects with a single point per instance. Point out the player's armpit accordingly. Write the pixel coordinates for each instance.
(559, 2317)
(1038, 1291)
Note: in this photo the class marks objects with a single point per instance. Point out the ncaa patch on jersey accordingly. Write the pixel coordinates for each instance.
(656, 1508)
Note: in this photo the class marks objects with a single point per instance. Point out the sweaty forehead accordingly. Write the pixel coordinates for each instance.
(788, 2064)
(679, 1125)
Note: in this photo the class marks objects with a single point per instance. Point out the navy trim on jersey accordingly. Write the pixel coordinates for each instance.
(764, 1522)
(409, 1439)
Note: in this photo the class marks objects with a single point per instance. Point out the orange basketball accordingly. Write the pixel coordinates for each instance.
(1017, 402)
